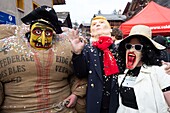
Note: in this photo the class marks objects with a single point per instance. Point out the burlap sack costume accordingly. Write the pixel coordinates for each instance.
(77, 89)
(36, 81)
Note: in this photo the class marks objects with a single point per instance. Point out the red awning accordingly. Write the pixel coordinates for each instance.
(153, 15)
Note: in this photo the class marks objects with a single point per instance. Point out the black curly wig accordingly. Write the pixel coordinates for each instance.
(150, 54)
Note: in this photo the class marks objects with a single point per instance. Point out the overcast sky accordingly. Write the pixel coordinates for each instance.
(83, 10)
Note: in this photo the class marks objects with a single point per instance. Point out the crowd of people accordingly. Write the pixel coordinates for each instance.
(47, 68)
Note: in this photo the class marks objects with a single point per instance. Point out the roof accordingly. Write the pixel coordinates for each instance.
(113, 16)
(85, 24)
(59, 2)
(165, 3)
(64, 17)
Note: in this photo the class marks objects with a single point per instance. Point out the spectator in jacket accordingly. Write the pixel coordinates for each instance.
(36, 72)
(144, 87)
(117, 35)
(165, 56)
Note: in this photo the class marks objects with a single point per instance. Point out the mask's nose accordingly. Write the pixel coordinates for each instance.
(43, 38)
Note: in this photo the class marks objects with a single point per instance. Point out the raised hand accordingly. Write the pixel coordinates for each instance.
(167, 68)
(77, 42)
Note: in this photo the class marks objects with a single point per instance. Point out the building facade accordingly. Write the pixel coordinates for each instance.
(132, 8)
(115, 19)
(11, 11)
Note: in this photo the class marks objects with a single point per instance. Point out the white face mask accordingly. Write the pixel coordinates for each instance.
(133, 54)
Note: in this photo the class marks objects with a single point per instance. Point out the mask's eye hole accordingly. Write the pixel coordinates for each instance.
(37, 31)
(48, 33)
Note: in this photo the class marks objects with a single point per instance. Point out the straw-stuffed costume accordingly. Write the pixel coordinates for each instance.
(35, 69)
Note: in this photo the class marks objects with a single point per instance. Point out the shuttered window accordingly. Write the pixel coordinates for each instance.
(35, 5)
(20, 4)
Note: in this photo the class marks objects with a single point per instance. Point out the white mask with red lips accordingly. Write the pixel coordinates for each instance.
(133, 56)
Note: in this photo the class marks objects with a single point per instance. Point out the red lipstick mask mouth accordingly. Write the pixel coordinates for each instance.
(131, 58)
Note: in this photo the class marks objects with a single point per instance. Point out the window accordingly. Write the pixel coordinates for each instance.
(20, 4)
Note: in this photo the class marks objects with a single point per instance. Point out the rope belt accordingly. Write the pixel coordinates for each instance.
(60, 106)
(57, 107)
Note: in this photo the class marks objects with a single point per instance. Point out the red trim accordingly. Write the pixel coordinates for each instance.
(42, 83)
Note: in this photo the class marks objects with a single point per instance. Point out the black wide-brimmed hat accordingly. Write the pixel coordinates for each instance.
(45, 13)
